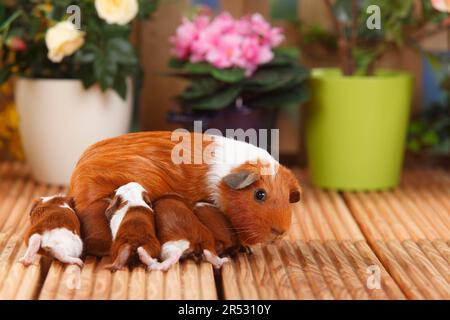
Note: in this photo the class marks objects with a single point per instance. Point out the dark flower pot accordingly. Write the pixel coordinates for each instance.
(234, 117)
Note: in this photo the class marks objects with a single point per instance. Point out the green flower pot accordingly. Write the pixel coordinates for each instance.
(356, 129)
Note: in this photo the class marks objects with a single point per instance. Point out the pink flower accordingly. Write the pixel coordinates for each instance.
(186, 34)
(183, 38)
(227, 51)
(16, 44)
(253, 55)
(269, 36)
(226, 42)
(276, 37)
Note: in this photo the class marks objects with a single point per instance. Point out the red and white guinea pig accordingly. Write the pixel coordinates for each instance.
(132, 225)
(54, 230)
(182, 234)
(245, 182)
(225, 236)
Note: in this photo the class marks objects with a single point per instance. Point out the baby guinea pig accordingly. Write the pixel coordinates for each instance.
(225, 237)
(181, 233)
(133, 228)
(54, 230)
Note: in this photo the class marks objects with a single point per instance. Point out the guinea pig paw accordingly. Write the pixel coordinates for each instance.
(78, 262)
(112, 267)
(215, 260)
(154, 267)
(220, 262)
(26, 261)
(169, 262)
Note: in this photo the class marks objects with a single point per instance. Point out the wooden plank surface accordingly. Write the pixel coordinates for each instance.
(375, 245)
(409, 229)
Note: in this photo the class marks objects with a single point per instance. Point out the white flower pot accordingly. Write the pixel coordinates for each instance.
(59, 119)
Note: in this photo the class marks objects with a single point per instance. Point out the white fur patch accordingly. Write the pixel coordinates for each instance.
(63, 240)
(204, 204)
(132, 193)
(66, 206)
(116, 220)
(172, 247)
(230, 154)
(46, 199)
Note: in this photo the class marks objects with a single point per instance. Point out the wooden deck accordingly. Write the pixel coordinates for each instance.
(338, 246)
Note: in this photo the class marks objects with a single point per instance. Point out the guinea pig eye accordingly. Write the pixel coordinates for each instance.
(260, 195)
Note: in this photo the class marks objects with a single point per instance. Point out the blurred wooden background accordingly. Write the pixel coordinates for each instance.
(157, 91)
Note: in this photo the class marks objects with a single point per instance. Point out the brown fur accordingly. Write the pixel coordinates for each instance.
(226, 239)
(176, 221)
(137, 229)
(49, 215)
(145, 157)
(252, 220)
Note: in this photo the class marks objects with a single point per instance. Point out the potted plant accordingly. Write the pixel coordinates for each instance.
(74, 63)
(238, 75)
(358, 116)
(429, 133)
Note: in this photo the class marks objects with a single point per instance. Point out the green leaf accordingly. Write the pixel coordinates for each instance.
(284, 10)
(363, 60)
(6, 24)
(120, 50)
(414, 145)
(5, 73)
(416, 127)
(198, 68)
(88, 79)
(200, 88)
(147, 7)
(229, 75)
(105, 72)
(175, 63)
(85, 57)
(120, 86)
(217, 101)
(430, 138)
(282, 99)
(290, 52)
(277, 78)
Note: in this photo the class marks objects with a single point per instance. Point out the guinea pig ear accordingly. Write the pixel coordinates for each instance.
(34, 205)
(294, 196)
(71, 202)
(241, 179)
(114, 205)
(146, 198)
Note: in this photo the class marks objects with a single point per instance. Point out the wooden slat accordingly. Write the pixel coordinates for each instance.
(262, 275)
(299, 281)
(355, 285)
(388, 284)
(407, 229)
(316, 278)
(136, 290)
(85, 286)
(333, 243)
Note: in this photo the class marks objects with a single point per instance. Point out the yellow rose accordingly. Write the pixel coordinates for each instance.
(62, 40)
(117, 11)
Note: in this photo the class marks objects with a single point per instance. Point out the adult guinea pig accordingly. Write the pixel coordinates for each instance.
(54, 230)
(246, 182)
(225, 236)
